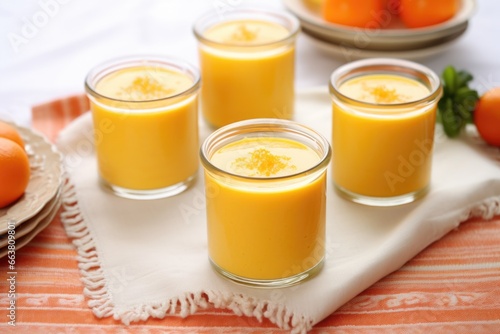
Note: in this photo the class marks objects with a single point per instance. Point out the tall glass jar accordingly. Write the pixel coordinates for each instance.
(145, 116)
(384, 113)
(247, 61)
(265, 185)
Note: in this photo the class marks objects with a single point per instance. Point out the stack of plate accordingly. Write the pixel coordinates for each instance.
(41, 201)
(392, 40)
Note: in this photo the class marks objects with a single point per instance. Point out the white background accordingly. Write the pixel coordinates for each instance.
(52, 60)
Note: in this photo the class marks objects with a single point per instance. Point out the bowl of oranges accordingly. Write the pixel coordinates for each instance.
(31, 180)
(384, 27)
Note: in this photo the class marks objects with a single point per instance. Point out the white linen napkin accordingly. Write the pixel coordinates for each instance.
(143, 259)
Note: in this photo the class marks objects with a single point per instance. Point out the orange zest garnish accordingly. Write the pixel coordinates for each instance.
(243, 34)
(384, 95)
(146, 88)
(264, 163)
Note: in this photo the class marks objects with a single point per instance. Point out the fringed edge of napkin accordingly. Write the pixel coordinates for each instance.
(88, 261)
(487, 209)
(253, 307)
(239, 304)
(101, 301)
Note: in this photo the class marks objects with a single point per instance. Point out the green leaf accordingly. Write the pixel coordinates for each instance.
(465, 93)
(456, 106)
(463, 78)
(463, 115)
(446, 103)
(449, 120)
(450, 80)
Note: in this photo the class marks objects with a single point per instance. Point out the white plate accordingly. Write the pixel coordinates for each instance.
(23, 241)
(28, 225)
(45, 179)
(394, 37)
(346, 54)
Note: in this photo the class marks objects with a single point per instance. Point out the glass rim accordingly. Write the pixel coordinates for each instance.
(109, 66)
(410, 69)
(263, 125)
(199, 25)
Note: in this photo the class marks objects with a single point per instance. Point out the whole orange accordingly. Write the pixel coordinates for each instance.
(14, 171)
(9, 132)
(487, 116)
(423, 13)
(354, 13)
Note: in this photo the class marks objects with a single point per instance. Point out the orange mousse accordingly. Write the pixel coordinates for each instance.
(383, 151)
(143, 140)
(263, 224)
(247, 71)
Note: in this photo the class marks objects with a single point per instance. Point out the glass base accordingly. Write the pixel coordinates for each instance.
(270, 283)
(149, 194)
(381, 201)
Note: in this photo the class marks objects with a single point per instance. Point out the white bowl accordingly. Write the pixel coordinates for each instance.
(393, 37)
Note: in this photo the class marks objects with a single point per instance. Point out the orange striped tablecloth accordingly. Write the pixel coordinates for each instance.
(453, 286)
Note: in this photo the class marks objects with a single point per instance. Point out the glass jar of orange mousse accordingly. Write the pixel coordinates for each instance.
(247, 62)
(265, 185)
(384, 114)
(145, 116)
